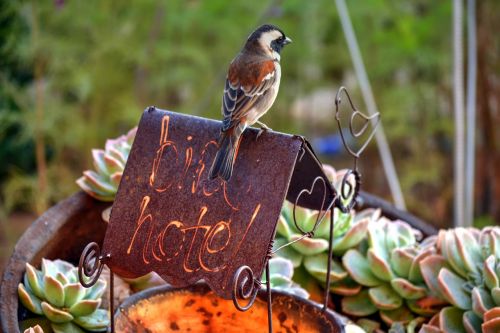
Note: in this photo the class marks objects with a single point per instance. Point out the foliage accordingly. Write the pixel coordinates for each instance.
(109, 164)
(281, 273)
(55, 293)
(466, 274)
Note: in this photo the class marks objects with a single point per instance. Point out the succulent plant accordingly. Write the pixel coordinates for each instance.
(109, 163)
(389, 272)
(311, 254)
(465, 273)
(56, 293)
(35, 329)
(281, 273)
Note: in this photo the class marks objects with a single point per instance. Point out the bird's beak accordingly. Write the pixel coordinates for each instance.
(287, 41)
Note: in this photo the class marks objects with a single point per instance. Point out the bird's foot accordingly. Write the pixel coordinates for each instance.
(263, 126)
(262, 130)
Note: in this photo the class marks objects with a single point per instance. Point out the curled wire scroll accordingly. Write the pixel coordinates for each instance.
(90, 265)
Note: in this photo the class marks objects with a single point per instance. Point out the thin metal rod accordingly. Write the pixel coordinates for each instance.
(112, 300)
(269, 299)
(458, 101)
(470, 147)
(329, 266)
(364, 83)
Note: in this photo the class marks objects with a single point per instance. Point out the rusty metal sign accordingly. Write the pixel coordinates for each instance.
(169, 218)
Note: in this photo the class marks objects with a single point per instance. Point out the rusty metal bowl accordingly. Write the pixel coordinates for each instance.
(166, 309)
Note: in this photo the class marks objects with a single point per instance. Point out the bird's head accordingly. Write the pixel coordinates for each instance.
(268, 38)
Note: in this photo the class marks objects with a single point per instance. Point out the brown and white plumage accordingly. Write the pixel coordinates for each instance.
(251, 87)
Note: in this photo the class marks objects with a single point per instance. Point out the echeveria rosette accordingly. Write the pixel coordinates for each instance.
(281, 272)
(466, 274)
(55, 293)
(388, 271)
(102, 183)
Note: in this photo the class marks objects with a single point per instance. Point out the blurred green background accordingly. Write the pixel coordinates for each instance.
(73, 73)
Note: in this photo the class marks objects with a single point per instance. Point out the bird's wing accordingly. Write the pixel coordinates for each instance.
(245, 84)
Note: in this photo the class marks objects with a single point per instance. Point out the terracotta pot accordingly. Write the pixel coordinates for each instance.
(64, 230)
(197, 309)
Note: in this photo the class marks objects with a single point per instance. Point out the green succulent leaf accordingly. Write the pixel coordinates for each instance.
(35, 281)
(469, 250)
(401, 260)
(379, 266)
(495, 295)
(481, 301)
(73, 293)
(54, 291)
(472, 322)
(287, 252)
(96, 322)
(29, 300)
(66, 328)
(491, 279)
(56, 315)
(408, 290)
(351, 238)
(281, 266)
(449, 249)
(415, 274)
(368, 325)
(430, 268)
(309, 246)
(385, 298)
(359, 269)
(359, 305)
(452, 288)
(84, 307)
(450, 319)
(317, 267)
(98, 182)
(345, 287)
(97, 290)
(282, 228)
(401, 315)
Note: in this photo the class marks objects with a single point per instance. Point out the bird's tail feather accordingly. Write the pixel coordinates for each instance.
(224, 159)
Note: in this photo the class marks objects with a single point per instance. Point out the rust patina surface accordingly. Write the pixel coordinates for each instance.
(169, 218)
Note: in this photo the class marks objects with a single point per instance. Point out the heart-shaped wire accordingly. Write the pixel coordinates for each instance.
(374, 120)
(309, 192)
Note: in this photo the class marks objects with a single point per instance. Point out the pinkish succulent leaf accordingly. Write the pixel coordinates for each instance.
(359, 269)
(426, 306)
(309, 246)
(450, 251)
(415, 274)
(468, 250)
(408, 290)
(99, 162)
(379, 266)
(481, 301)
(452, 288)
(430, 268)
(345, 287)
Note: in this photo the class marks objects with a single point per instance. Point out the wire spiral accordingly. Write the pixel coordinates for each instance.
(245, 287)
(90, 265)
(348, 191)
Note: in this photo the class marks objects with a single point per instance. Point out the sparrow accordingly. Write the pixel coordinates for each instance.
(252, 84)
